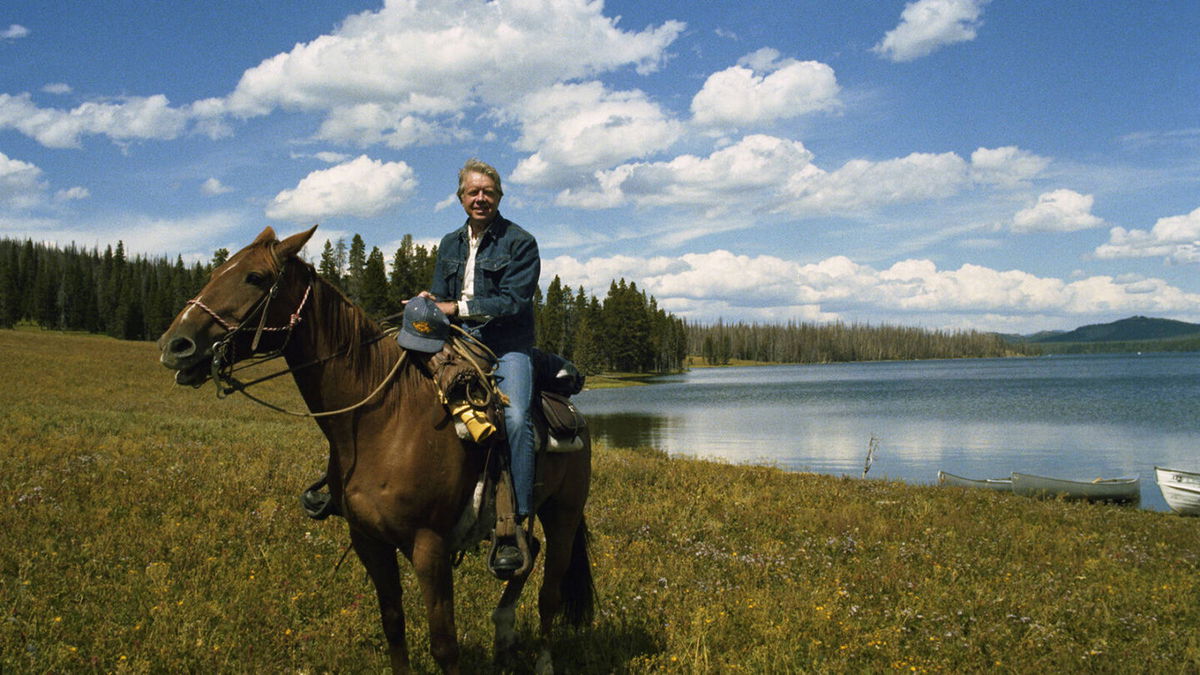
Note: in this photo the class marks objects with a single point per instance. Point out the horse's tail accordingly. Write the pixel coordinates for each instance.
(578, 590)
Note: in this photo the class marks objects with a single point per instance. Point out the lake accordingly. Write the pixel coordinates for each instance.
(1080, 417)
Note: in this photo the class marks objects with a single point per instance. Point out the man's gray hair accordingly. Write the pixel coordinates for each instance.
(476, 166)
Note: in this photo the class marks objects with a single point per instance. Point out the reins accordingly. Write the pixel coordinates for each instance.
(223, 368)
(240, 388)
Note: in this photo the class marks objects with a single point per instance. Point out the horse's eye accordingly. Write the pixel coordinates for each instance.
(256, 279)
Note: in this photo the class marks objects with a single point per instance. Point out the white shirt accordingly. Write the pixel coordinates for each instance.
(468, 287)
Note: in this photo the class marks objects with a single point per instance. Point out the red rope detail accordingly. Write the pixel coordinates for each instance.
(211, 313)
(292, 321)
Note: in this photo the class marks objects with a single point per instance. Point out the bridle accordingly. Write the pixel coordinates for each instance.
(232, 329)
(223, 365)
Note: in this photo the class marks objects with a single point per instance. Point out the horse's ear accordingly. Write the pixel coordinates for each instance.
(266, 235)
(288, 248)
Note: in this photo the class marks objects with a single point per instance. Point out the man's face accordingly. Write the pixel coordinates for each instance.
(479, 198)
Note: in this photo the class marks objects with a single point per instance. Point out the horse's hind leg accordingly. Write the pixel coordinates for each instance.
(380, 560)
(559, 526)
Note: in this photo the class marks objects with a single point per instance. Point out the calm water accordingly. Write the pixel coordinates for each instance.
(1077, 417)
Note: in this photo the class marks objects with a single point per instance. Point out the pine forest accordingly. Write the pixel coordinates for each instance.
(135, 298)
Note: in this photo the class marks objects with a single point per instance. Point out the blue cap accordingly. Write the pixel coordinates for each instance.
(425, 327)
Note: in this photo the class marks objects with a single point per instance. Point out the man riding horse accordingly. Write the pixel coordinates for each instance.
(485, 276)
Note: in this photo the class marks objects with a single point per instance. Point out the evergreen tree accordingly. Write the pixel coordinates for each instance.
(374, 289)
(340, 260)
(627, 344)
(7, 290)
(181, 287)
(552, 334)
(131, 318)
(159, 298)
(73, 293)
(45, 291)
(219, 257)
(426, 261)
(117, 307)
(538, 313)
(329, 267)
(27, 269)
(356, 268)
(405, 280)
(10, 296)
(588, 355)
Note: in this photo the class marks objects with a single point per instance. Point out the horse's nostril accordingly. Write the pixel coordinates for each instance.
(181, 347)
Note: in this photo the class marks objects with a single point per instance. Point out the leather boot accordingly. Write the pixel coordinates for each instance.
(319, 505)
(508, 557)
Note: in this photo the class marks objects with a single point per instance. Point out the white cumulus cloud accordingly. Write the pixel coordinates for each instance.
(72, 194)
(1057, 211)
(13, 32)
(700, 286)
(1174, 238)
(412, 66)
(580, 128)
(756, 167)
(213, 186)
(1008, 166)
(927, 25)
(763, 88)
(861, 184)
(361, 187)
(764, 174)
(21, 183)
(126, 119)
(367, 124)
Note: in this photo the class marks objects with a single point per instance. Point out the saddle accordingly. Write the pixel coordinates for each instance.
(464, 374)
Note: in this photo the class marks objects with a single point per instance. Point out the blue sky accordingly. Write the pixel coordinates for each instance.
(1003, 165)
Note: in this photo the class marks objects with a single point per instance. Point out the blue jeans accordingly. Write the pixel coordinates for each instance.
(514, 374)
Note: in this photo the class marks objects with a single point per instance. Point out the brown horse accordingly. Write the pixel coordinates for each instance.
(396, 465)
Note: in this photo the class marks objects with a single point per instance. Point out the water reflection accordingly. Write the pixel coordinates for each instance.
(1072, 417)
(630, 430)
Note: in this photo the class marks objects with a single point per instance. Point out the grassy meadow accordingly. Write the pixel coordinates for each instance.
(152, 528)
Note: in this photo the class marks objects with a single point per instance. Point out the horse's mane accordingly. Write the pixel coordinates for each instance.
(350, 328)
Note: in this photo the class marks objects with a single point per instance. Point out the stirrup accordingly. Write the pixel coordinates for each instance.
(318, 505)
(521, 543)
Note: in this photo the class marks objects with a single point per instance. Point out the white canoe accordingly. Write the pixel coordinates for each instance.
(1181, 489)
(1003, 484)
(1121, 490)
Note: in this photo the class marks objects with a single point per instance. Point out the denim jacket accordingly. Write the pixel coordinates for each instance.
(507, 266)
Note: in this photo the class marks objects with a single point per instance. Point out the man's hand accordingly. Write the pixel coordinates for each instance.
(448, 308)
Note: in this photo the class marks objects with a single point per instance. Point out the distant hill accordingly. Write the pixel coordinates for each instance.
(1039, 336)
(1124, 330)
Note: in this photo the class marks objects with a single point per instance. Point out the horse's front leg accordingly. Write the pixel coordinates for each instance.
(431, 560)
(380, 560)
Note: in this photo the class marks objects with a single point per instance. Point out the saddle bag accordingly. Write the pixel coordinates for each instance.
(564, 422)
(463, 372)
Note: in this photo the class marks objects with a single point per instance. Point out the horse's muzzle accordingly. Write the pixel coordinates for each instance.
(190, 363)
